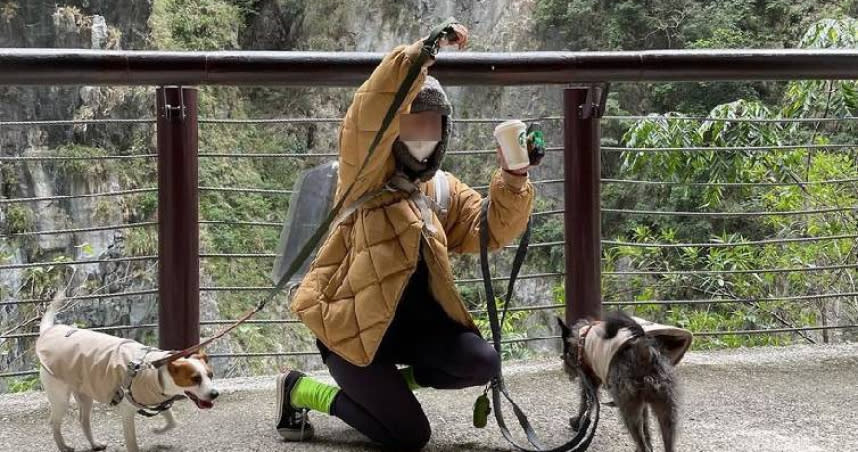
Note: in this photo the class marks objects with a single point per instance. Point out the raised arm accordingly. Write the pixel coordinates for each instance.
(511, 203)
(364, 118)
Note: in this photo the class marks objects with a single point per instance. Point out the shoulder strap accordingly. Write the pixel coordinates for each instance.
(442, 192)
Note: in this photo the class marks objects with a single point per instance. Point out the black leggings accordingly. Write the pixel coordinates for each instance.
(376, 400)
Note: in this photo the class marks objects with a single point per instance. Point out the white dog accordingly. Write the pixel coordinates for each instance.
(94, 367)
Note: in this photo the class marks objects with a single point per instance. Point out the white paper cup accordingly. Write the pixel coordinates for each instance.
(511, 136)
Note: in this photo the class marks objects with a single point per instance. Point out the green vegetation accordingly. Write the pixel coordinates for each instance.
(670, 281)
(578, 25)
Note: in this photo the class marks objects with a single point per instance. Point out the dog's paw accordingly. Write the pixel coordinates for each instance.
(164, 429)
(99, 446)
(66, 448)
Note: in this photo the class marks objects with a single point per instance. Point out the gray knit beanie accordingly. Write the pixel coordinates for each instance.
(432, 98)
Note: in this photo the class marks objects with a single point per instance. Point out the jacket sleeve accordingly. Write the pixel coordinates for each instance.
(364, 118)
(511, 204)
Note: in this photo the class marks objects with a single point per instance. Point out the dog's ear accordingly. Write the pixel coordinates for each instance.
(565, 332)
(201, 355)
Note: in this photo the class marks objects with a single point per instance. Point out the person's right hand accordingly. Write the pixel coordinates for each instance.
(460, 39)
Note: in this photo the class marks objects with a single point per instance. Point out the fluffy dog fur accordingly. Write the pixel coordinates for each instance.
(640, 379)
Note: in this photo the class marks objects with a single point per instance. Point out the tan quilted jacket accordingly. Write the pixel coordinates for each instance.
(349, 296)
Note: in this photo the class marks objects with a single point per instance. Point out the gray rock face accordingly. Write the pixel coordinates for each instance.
(42, 25)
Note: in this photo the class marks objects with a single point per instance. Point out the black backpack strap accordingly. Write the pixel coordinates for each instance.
(590, 419)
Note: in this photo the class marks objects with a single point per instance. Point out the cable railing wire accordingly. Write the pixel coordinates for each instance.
(261, 191)
(267, 224)
(338, 120)
(707, 301)
(771, 148)
(74, 122)
(711, 119)
(729, 184)
(54, 158)
(732, 272)
(266, 155)
(730, 244)
(133, 191)
(711, 333)
(767, 213)
(82, 297)
(144, 326)
(78, 262)
(114, 227)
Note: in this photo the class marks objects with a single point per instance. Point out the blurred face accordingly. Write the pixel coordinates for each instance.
(423, 126)
(420, 132)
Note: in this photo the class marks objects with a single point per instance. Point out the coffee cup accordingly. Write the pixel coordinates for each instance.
(512, 138)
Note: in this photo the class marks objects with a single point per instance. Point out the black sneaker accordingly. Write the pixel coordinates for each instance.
(293, 424)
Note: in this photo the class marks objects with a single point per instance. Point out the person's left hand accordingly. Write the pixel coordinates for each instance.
(460, 39)
(502, 163)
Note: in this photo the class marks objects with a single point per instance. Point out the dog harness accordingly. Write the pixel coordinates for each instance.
(596, 351)
(106, 368)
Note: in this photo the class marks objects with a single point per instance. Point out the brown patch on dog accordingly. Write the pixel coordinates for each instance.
(204, 358)
(184, 373)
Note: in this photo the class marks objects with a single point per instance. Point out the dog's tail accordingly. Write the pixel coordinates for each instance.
(51, 312)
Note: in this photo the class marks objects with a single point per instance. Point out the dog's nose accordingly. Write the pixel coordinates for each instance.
(214, 394)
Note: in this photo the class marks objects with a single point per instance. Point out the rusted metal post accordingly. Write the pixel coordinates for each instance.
(582, 218)
(178, 232)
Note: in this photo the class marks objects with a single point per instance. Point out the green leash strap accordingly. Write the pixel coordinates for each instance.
(590, 418)
(430, 47)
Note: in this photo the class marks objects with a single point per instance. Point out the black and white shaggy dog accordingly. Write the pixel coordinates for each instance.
(617, 353)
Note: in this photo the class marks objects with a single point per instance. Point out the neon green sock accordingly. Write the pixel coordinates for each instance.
(408, 375)
(313, 395)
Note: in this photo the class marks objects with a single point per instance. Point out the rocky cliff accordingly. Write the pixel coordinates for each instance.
(204, 25)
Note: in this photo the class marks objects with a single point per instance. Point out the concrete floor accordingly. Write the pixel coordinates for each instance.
(801, 398)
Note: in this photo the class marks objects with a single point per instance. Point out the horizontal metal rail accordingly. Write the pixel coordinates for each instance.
(338, 120)
(75, 122)
(242, 223)
(114, 227)
(83, 297)
(730, 244)
(711, 301)
(252, 322)
(767, 213)
(23, 373)
(774, 330)
(144, 326)
(122, 67)
(261, 191)
(729, 184)
(732, 272)
(133, 191)
(263, 354)
(250, 121)
(711, 119)
(714, 333)
(80, 262)
(55, 158)
(788, 147)
(263, 155)
(732, 300)
(238, 255)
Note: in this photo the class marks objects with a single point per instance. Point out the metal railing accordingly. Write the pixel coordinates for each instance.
(177, 129)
